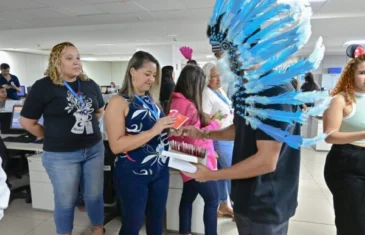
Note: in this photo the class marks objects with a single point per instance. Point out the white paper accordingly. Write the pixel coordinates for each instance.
(182, 165)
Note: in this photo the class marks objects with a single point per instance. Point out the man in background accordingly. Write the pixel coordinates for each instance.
(3, 97)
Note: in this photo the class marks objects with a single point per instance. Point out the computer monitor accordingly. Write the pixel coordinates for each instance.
(15, 118)
(21, 93)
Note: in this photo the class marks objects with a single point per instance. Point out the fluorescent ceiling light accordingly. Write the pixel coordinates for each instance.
(361, 42)
(209, 56)
(317, 0)
(89, 59)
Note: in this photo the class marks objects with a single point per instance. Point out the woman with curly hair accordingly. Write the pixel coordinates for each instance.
(71, 105)
(345, 165)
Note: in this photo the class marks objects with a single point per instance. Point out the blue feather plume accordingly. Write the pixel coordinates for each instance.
(232, 11)
(280, 77)
(294, 141)
(268, 48)
(277, 115)
(318, 109)
(292, 97)
(219, 8)
(271, 64)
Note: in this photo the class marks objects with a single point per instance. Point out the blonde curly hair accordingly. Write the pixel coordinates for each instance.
(346, 83)
(54, 62)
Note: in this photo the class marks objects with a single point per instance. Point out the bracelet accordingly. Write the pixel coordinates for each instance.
(206, 134)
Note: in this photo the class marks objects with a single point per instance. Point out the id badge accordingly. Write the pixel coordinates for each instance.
(89, 128)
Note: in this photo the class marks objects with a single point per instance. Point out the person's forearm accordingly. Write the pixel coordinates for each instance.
(227, 133)
(131, 142)
(99, 115)
(345, 137)
(36, 130)
(248, 168)
(16, 88)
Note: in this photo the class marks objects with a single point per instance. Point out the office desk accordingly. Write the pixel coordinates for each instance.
(22, 146)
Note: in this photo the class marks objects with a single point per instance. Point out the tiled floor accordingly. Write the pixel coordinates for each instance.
(314, 215)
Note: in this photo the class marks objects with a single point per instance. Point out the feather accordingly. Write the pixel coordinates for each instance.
(226, 73)
(267, 49)
(292, 97)
(277, 115)
(187, 52)
(262, 19)
(271, 64)
(219, 8)
(279, 135)
(232, 10)
(314, 140)
(294, 141)
(318, 110)
(279, 77)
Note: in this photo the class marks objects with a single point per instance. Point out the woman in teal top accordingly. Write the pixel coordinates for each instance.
(345, 166)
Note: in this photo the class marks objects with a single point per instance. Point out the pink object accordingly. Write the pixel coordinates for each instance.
(188, 109)
(187, 52)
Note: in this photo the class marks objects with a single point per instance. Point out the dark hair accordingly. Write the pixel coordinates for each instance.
(4, 66)
(167, 72)
(192, 62)
(137, 61)
(310, 84)
(191, 84)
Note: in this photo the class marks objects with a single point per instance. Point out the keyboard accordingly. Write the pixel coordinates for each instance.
(26, 138)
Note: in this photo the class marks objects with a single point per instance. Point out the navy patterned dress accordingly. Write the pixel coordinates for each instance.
(142, 175)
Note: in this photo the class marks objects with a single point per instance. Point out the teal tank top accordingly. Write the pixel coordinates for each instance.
(355, 121)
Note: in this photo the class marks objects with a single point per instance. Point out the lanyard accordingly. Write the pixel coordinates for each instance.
(78, 95)
(154, 110)
(222, 97)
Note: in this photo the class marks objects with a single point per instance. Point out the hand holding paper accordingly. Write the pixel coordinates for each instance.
(180, 119)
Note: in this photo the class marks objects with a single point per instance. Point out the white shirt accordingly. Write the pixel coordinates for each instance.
(4, 191)
(212, 103)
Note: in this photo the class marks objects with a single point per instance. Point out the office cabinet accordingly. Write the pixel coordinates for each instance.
(173, 203)
(40, 185)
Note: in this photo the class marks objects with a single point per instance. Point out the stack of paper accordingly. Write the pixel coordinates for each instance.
(182, 161)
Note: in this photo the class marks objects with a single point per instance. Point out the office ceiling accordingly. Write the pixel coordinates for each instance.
(113, 29)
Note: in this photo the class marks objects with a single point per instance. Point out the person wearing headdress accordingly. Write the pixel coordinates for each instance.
(345, 165)
(266, 129)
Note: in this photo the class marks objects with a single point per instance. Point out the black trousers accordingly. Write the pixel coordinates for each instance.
(345, 177)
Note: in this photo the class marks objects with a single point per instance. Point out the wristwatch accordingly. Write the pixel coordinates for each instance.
(206, 134)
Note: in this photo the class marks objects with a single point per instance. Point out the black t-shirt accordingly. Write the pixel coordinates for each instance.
(270, 198)
(67, 125)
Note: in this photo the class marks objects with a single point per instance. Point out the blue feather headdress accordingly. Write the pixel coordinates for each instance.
(257, 39)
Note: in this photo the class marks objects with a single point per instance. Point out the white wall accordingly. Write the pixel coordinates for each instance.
(118, 72)
(30, 67)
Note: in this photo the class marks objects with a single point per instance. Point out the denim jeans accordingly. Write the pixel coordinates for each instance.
(246, 226)
(66, 170)
(209, 192)
(224, 150)
(140, 196)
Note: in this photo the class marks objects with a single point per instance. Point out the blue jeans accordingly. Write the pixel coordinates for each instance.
(66, 170)
(245, 226)
(140, 196)
(209, 192)
(224, 150)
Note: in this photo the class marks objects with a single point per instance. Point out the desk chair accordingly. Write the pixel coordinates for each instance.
(15, 193)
